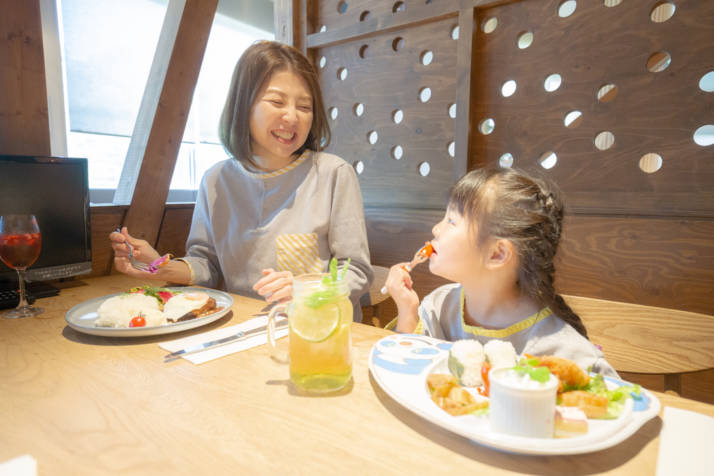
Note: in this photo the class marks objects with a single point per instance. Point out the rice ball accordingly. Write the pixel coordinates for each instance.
(465, 360)
(500, 354)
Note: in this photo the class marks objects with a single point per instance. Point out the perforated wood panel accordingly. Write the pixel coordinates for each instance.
(640, 189)
(631, 146)
(390, 99)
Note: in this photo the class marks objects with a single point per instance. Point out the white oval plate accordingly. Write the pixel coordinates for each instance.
(401, 363)
(82, 316)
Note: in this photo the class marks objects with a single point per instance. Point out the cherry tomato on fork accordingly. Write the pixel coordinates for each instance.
(137, 321)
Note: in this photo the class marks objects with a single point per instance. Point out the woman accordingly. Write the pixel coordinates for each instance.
(279, 207)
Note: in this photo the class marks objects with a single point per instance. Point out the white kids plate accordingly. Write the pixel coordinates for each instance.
(400, 364)
(82, 316)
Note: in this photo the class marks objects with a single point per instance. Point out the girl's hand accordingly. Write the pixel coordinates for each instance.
(275, 286)
(399, 286)
(142, 252)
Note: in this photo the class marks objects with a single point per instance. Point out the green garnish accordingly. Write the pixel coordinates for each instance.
(532, 368)
(330, 282)
(616, 398)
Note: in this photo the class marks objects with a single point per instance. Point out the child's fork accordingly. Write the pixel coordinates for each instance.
(136, 264)
(419, 257)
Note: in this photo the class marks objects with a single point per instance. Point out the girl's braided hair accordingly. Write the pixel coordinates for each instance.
(509, 204)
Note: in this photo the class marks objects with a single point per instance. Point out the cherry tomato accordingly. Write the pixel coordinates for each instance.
(137, 321)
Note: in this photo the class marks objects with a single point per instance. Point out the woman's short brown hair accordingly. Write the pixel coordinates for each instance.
(255, 66)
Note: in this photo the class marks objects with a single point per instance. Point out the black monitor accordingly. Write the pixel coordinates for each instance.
(56, 191)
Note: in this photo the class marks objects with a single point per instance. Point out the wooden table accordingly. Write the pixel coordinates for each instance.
(83, 404)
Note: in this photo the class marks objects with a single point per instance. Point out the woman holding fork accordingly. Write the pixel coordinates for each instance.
(280, 206)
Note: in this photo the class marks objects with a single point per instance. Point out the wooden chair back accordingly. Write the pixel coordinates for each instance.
(649, 340)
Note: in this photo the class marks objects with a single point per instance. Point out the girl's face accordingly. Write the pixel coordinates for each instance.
(455, 256)
(281, 118)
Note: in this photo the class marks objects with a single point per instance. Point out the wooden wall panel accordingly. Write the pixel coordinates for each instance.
(651, 113)
(663, 262)
(24, 121)
(174, 229)
(385, 81)
(104, 220)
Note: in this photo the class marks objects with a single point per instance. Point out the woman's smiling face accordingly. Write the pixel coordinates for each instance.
(280, 119)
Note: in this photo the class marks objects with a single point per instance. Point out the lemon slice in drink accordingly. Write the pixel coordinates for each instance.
(315, 324)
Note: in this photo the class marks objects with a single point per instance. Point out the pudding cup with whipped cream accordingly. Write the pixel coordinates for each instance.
(522, 406)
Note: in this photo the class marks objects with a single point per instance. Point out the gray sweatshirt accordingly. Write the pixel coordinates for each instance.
(441, 316)
(295, 219)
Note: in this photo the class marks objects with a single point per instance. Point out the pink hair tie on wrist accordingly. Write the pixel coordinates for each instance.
(159, 262)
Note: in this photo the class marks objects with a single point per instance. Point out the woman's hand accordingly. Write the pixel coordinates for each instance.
(399, 286)
(142, 252)
(275, 286)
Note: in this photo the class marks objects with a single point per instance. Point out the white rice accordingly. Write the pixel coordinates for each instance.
(500, 354)
(118, 311)
(465, 360)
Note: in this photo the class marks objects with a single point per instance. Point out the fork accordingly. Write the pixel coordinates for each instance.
(419, 257)
(134, 263)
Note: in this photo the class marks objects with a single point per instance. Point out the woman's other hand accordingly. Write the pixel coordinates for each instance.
(275, 286)
(143, 252)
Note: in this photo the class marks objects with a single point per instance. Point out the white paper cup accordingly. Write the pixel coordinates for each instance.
(521, 406)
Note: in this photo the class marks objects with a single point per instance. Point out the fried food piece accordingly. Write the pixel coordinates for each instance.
(594, 406)
(450, 396)
(567, 371)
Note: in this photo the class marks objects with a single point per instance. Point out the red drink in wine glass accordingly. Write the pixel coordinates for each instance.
(20, 244)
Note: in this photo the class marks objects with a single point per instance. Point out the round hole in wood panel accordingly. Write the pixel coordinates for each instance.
(508, 88)
(341, 74)
(650, 163)
(455, 32)
(451, 149)
(359, 166)
(658, 62)
(566, 8)
(341, 6)
(363, 51)
(489, 25)
(397, 152)
(397, 116)
(424, 94)
(505, 161)
(398, 7)
(372, 137)
(525, 39)
(452, 111)
(358, 109)
(607, 92)
(426, 57)
(704, 136)
(322, 62)
(604, 140)
(706, 83)
(364, 15)
(552, 82)
(323, 28)
(611, 3)
(424, 169)
(398, 43)
(547, 160)
(573, 119)
(486, 126)
(662, 11)
(334, 113)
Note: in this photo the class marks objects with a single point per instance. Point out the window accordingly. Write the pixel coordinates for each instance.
(108, 50)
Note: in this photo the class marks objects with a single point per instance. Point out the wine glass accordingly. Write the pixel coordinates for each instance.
(20, 244)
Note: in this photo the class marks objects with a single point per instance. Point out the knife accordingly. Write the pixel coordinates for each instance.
(222, 341)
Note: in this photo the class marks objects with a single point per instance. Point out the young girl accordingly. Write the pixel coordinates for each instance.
(279, 207)
(497, 241)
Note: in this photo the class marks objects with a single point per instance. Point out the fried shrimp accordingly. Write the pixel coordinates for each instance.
(594, 406)
(567, 371)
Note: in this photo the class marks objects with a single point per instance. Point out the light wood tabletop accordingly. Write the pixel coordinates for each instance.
(82, 404)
